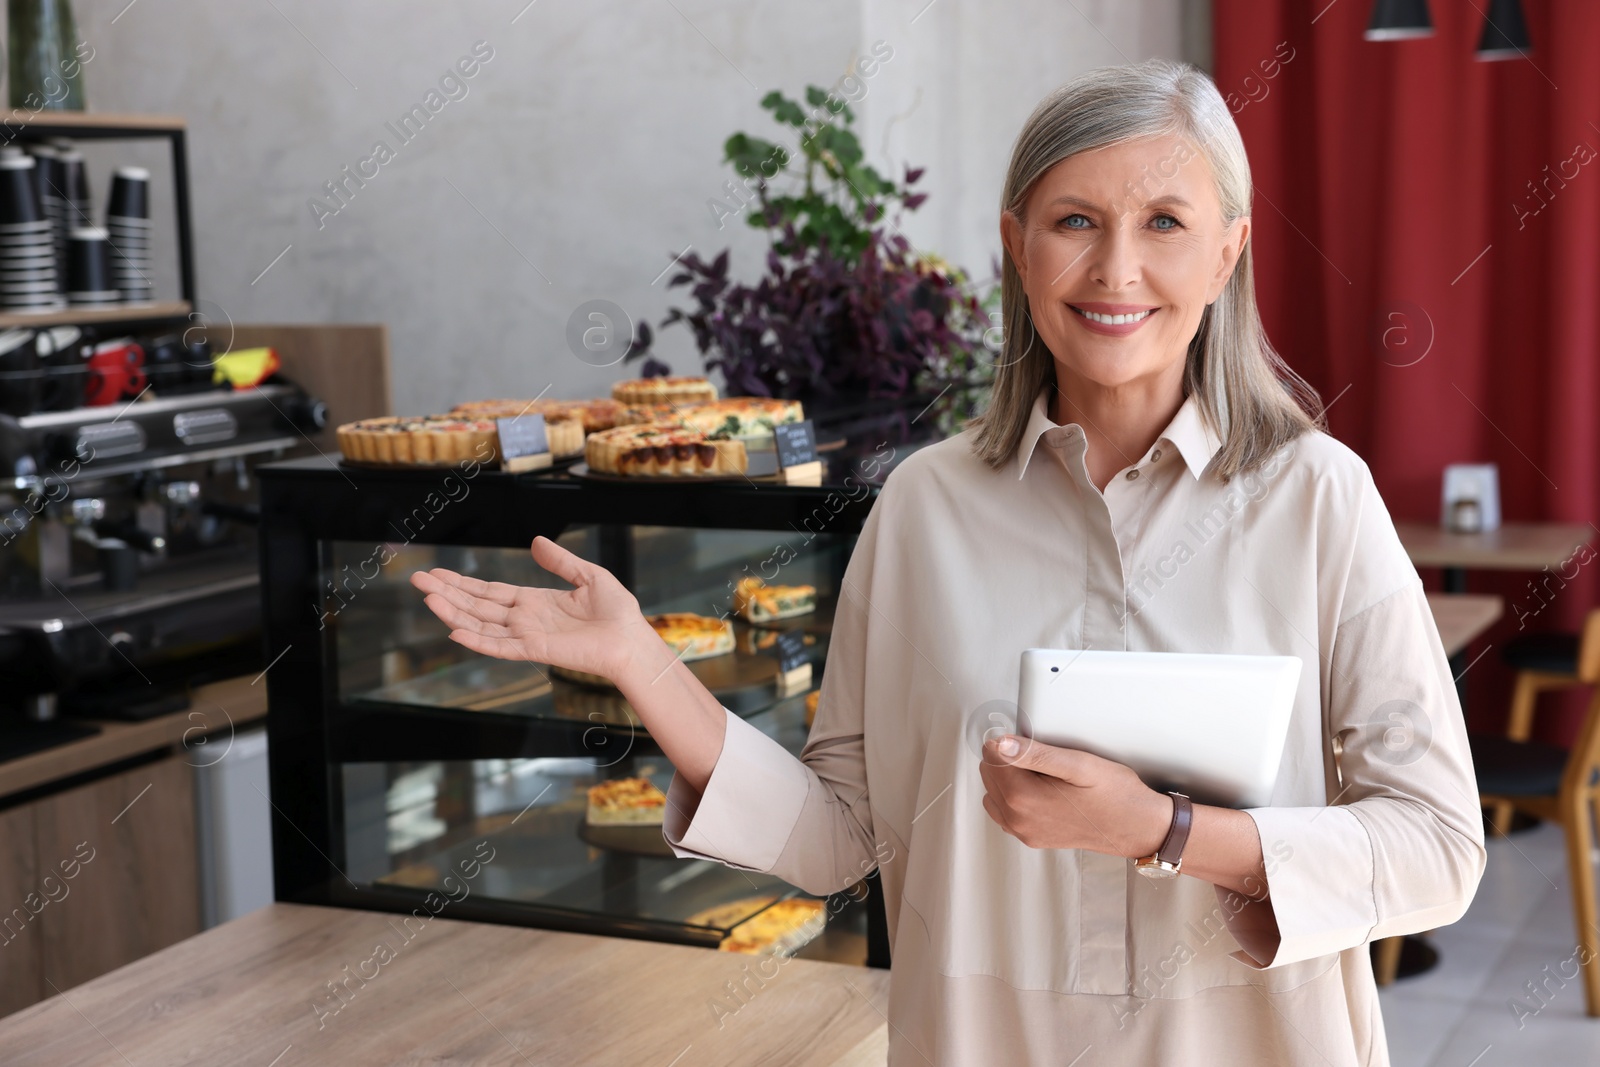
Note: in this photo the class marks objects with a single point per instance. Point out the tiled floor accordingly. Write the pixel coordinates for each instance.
(1460, 1014)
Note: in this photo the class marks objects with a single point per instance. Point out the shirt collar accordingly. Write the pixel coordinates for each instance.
(1188, 432)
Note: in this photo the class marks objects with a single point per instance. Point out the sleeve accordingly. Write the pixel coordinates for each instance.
(804, 820)
(1400, 848)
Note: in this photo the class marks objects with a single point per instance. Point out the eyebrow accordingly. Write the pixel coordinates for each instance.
(1157, 201)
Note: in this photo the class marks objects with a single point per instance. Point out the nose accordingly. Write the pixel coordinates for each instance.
(1115, 262)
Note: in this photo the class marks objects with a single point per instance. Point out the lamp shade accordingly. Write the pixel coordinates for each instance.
(1505, 32)
(1399, 20)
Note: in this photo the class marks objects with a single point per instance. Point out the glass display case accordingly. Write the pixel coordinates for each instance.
(412, 775)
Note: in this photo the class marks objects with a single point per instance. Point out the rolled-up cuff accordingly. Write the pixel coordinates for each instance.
(1319, 865)
(750, 805)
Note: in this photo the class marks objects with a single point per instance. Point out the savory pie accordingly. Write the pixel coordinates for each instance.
(662, 449)
(437, 440)
(663, 390)
(759, 602)
(780, 928)
(598, 414)
(762, 638)
(626, 802)
(422, 440)
(690, 636)
(739, 416)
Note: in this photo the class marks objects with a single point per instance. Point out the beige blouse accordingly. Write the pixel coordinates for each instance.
(1006, 954)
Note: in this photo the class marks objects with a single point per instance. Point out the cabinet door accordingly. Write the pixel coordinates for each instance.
(140, 890)
(20, 897)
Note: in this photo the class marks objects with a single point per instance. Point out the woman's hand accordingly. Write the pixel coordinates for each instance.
(595, 627)
(1049, 797)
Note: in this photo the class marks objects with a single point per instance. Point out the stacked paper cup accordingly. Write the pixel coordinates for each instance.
(89, 271)
(128, 229)
(27, 247)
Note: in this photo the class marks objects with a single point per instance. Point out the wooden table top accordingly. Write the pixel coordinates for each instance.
(1461, 617)
(1515, 546)
(213, 711)
(290, 985)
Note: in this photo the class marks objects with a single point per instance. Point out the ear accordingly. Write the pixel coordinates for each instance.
(1234, 240)
(1011, 238)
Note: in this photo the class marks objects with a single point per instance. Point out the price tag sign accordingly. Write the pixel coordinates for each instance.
(520, 436)
(796, 443)
(791, 650)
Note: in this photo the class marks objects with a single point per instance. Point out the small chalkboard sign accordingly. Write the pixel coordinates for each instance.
(790, 648)
(796, 443)
(522, 442)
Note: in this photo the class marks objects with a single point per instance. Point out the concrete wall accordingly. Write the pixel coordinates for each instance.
(578, 162)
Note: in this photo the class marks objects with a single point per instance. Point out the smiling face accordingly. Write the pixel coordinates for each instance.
(1123, 248)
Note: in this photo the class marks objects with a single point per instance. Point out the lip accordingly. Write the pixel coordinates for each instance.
(1121, 330)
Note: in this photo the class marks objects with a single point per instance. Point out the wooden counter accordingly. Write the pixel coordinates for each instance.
(290, 985)
(212, 709)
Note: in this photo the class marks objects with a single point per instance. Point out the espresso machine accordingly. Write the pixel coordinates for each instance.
(128, 551)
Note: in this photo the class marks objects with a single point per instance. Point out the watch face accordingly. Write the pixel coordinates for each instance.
(1156, 870)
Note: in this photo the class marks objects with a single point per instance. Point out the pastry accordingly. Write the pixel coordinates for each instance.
(779, 929)
(626, 802)
(423, 440)
(662, 449)
(598, 414)
(663, 390)
(739, 416)
(759, 602)
(763, 638)
(811, 706)
(437, 440)
(689, 635)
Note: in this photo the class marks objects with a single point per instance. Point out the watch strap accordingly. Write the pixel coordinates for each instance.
(1171, 850)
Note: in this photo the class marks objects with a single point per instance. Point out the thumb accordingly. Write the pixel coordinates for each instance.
(1031, 755)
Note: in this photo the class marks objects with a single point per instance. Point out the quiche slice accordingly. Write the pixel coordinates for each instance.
(626, 802)
(662, 449)
(778, 929)
(759, 602)
(664, 390)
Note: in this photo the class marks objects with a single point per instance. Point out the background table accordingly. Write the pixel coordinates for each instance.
(1461, 617)
(1515, 546)
(247, 992)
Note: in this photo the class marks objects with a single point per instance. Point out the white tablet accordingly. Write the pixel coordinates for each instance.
(1207, 725)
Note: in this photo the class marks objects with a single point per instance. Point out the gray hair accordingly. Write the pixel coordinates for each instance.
(1246, 392)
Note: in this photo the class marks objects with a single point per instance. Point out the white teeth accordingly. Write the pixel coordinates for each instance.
(1114, 320)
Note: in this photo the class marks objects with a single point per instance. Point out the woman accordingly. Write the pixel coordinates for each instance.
(1144, 478)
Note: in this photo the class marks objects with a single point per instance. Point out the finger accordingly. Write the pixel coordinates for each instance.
(1031, 755)
(478, 607)
(562, 563)
(458, 619)
(498, 592)
(994, 813)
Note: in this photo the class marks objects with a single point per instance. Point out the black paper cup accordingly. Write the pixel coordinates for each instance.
(19, 197)
(88, 268)
(130, 193)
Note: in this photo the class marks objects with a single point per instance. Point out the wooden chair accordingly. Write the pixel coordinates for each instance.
(1546, 662)
(1549, 782)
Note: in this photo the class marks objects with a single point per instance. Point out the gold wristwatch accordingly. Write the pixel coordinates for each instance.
(1168, 859)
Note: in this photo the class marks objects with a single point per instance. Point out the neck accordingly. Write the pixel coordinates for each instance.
(1119, 422)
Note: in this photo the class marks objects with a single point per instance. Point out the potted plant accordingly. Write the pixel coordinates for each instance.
(846, 307)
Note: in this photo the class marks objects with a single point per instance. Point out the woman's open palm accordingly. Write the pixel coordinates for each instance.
(592, 627)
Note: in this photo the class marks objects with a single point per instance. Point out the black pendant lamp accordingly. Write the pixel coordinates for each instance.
(1505, 32)
(1399, 20)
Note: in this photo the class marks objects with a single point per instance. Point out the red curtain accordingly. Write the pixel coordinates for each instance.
(1427, 243)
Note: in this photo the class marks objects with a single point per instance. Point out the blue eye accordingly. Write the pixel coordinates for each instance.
(1069, 218)
(1166, 218)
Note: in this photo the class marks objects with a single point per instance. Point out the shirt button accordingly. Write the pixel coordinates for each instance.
(1155, 455)
(1132, 475)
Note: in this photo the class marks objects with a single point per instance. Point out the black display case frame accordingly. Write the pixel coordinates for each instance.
(309, 503)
